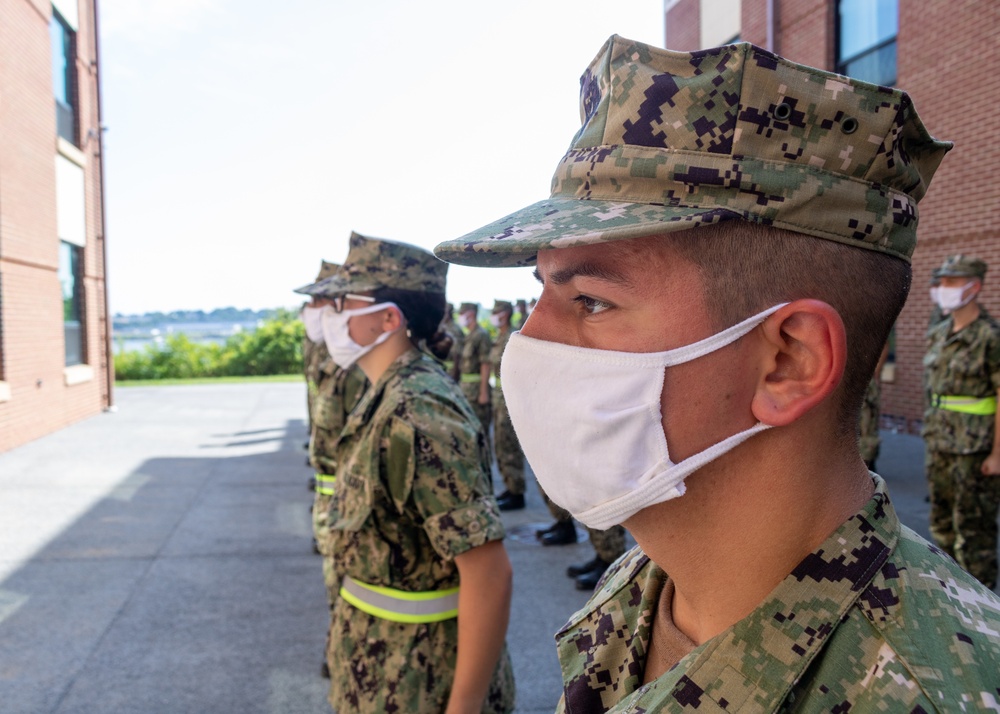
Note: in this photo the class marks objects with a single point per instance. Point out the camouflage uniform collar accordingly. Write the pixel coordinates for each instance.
(798, 617)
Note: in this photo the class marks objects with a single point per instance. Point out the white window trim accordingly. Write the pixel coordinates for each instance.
(78, 374)
(4, 392)
(68, 151)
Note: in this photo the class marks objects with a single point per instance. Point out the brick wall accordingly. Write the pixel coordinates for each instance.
(683, 29)
(949, 62)
(32, 364)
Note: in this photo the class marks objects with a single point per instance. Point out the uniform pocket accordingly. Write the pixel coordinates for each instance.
(351, 503)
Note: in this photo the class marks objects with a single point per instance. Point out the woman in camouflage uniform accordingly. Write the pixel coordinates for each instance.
(415, 532)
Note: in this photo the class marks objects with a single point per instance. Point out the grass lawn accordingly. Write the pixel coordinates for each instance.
(208, 380)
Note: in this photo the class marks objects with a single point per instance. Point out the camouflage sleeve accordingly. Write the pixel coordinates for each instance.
(993, 359)
(439, 474)
(483, 347)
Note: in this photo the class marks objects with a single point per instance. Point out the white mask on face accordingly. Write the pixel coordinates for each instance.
(466, 320)
(495, 320)
(589, 422)
(312, 319)
(950, 299)
(336, 332)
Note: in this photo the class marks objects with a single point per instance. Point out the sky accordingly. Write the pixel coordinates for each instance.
(246, 139)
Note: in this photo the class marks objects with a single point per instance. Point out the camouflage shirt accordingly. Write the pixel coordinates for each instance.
(868, 436)
(965, 363)
(475, 350)
(336, 395)
(412, 492)
(313, 356)
(496, 356)
(875, 619)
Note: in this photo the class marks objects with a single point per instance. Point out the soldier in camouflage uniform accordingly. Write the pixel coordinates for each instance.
(333, 393)
(869, 440)
(962, 376)
(449, 325)
(510, 459)
(415, 532)
(725, 249)
(313, 350)
(474, 364)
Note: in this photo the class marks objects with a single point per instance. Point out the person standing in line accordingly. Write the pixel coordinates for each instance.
(520, 314)
(416, 536)
(962, 376)
(869, 440)
(724, 252)
(449, 325)
(313, 352)
(474, 364)
(510, 458)
(336, 393)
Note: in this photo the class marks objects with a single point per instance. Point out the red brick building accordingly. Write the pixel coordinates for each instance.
(947, 57)
(54, 322)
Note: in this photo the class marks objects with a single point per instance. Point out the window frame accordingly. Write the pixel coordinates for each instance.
(841, 63)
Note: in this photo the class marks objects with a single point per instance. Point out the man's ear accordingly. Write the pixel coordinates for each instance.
(803, 356)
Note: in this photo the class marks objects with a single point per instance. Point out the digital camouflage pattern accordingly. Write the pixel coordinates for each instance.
(674, 140)
(609, 544)
(374, 263)
(964, 506)
(868, 436)
(510, 458)
(957, 266)
(326, 269)
(964, 502)
(502, 306)
(963, 363)
(337, 394)
(475, 353)
(412, 492)
(314, 355)
(875, 619)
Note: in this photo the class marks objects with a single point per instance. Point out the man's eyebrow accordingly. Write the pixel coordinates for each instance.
(585, 270)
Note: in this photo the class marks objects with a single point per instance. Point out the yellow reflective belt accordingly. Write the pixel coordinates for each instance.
(470, 378)
(966, 405)
(324, 484)
(399, 605)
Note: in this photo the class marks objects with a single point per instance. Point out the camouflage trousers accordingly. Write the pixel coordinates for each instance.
(320, 519)
(381, 666)
(608, 544)
(964, 506)
(483, 411)
(510, 458)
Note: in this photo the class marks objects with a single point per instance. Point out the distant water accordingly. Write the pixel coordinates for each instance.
(131, 340)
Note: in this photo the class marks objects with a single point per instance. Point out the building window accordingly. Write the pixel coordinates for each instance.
(866, 40)
(63, 76)
(70, 278)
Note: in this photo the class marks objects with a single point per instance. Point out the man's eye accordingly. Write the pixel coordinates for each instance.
(591, 305)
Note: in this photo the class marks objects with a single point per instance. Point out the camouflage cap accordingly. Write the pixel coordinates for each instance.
(326, 269)
(961, 266)
(374, 263)
(674, 140)
(466, 306)
(502, 306)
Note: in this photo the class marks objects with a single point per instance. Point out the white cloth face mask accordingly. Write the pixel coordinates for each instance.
(313, 320)
(495, 320)
(589, 422)
(949, 299)
(344, 350)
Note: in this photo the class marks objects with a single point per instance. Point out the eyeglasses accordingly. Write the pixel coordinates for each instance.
(338, 302)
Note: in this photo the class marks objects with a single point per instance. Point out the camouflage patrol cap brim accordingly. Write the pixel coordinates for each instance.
(467, 306)
(961, 266)
(374, 263)
(674, 140)
(326, 269)
(502, 306)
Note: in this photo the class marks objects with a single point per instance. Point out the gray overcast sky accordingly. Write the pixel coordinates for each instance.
(248, 138)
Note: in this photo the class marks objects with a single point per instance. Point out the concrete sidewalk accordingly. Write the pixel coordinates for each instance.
(158, 559)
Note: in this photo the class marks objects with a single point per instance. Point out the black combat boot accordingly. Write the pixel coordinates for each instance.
(562, 533)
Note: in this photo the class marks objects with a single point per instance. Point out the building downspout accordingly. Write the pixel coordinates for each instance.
(109, 357)
(771, 26)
